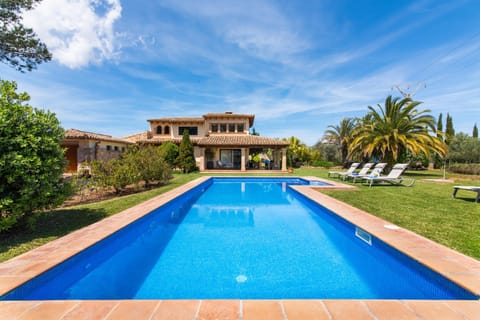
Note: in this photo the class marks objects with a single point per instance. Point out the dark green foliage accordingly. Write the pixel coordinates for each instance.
(147, 164)
(113, 173)
(329, 152)
(139, 164)
(449, 130)
(475, 131)
(19, 46)
(465, 168)
(169, 152)
(186, 158)
(31, 159)
(439, 125)
(321, 163)
(464, 149)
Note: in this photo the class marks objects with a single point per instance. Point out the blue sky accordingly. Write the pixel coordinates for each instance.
(299, 66)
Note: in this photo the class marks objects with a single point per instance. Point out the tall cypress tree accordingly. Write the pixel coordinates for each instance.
(439, 124)
(449, 131)
(186, 158)
(475, 131)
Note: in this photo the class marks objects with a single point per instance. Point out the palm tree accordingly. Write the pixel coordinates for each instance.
(341, 135)
(396, 128)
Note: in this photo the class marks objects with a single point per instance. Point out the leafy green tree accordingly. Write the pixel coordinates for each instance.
(169, 151)
(475, 131)
(449, 130)
(186, 157)
(328, 152)
(147, 164)
(396, 128)
(341, 135)
(464, 149)
(19, 46)
(114, 173)
(31, 159)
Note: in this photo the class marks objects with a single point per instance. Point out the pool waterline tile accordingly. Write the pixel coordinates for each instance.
(18, 270)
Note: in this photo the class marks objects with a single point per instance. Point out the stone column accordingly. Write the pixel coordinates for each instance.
(243, 162)
(284, 159)
(201, 159)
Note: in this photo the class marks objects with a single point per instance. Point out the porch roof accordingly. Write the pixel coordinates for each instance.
(241, 140)
(75, 134)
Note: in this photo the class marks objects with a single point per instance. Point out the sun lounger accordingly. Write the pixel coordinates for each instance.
(376, 171)
(394, 177)
(469, 188)
(352, 168)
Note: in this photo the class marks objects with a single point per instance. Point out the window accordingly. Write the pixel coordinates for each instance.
(115, 148)
(240, 127)
(193, 131)
(109, 148)
(223, 127)
(231, 127)
(166, 130)
(159, 130)
(214, 127)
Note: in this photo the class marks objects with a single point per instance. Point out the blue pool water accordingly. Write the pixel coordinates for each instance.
(228, 238)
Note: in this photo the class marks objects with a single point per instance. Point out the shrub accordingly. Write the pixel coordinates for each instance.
(31, 159)
(465, 168)
(169, 152)
(321, 163)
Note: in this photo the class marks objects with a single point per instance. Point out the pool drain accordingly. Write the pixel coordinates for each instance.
(241, 278)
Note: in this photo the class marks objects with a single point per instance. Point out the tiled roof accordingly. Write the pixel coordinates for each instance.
(177, 120)
(241, 140)
(85, 135)
(224, 115)
(159, 140)
(136, 137)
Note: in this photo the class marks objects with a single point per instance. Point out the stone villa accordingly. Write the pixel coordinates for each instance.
(221, 141)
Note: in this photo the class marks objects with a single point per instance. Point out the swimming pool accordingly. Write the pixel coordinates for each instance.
(240, 238)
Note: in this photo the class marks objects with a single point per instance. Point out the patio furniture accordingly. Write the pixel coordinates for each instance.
(394, 177)
(469, 188)
(376, 171)
(352, 168)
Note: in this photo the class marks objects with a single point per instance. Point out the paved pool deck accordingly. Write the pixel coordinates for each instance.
(463, 270)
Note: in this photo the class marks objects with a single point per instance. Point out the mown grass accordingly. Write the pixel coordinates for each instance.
(427, 208)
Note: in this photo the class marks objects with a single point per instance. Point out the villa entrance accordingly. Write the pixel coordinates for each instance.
(230, 159)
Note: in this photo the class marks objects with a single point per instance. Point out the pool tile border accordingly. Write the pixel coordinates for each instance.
(461, 269)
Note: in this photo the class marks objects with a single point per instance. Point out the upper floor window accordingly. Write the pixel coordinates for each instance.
(240, 127)
(214, 127)
(166, 130)
(192, 131)
(159, 130)
(223, 127)
(231, 127)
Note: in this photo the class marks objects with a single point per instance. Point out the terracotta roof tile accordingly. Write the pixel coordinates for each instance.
(85, 135)
(241, 140)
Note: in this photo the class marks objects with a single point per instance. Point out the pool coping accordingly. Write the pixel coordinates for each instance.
(463, 270)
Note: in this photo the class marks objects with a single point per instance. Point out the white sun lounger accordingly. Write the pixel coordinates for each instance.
(394, 177)
(352, 168)
(376, 171)
(469, 188)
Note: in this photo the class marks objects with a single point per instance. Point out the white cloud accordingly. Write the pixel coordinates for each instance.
(77, 32)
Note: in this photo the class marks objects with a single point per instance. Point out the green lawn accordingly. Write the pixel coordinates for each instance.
(426, 208)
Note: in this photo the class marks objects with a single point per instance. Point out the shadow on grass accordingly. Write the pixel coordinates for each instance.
(50, 225)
